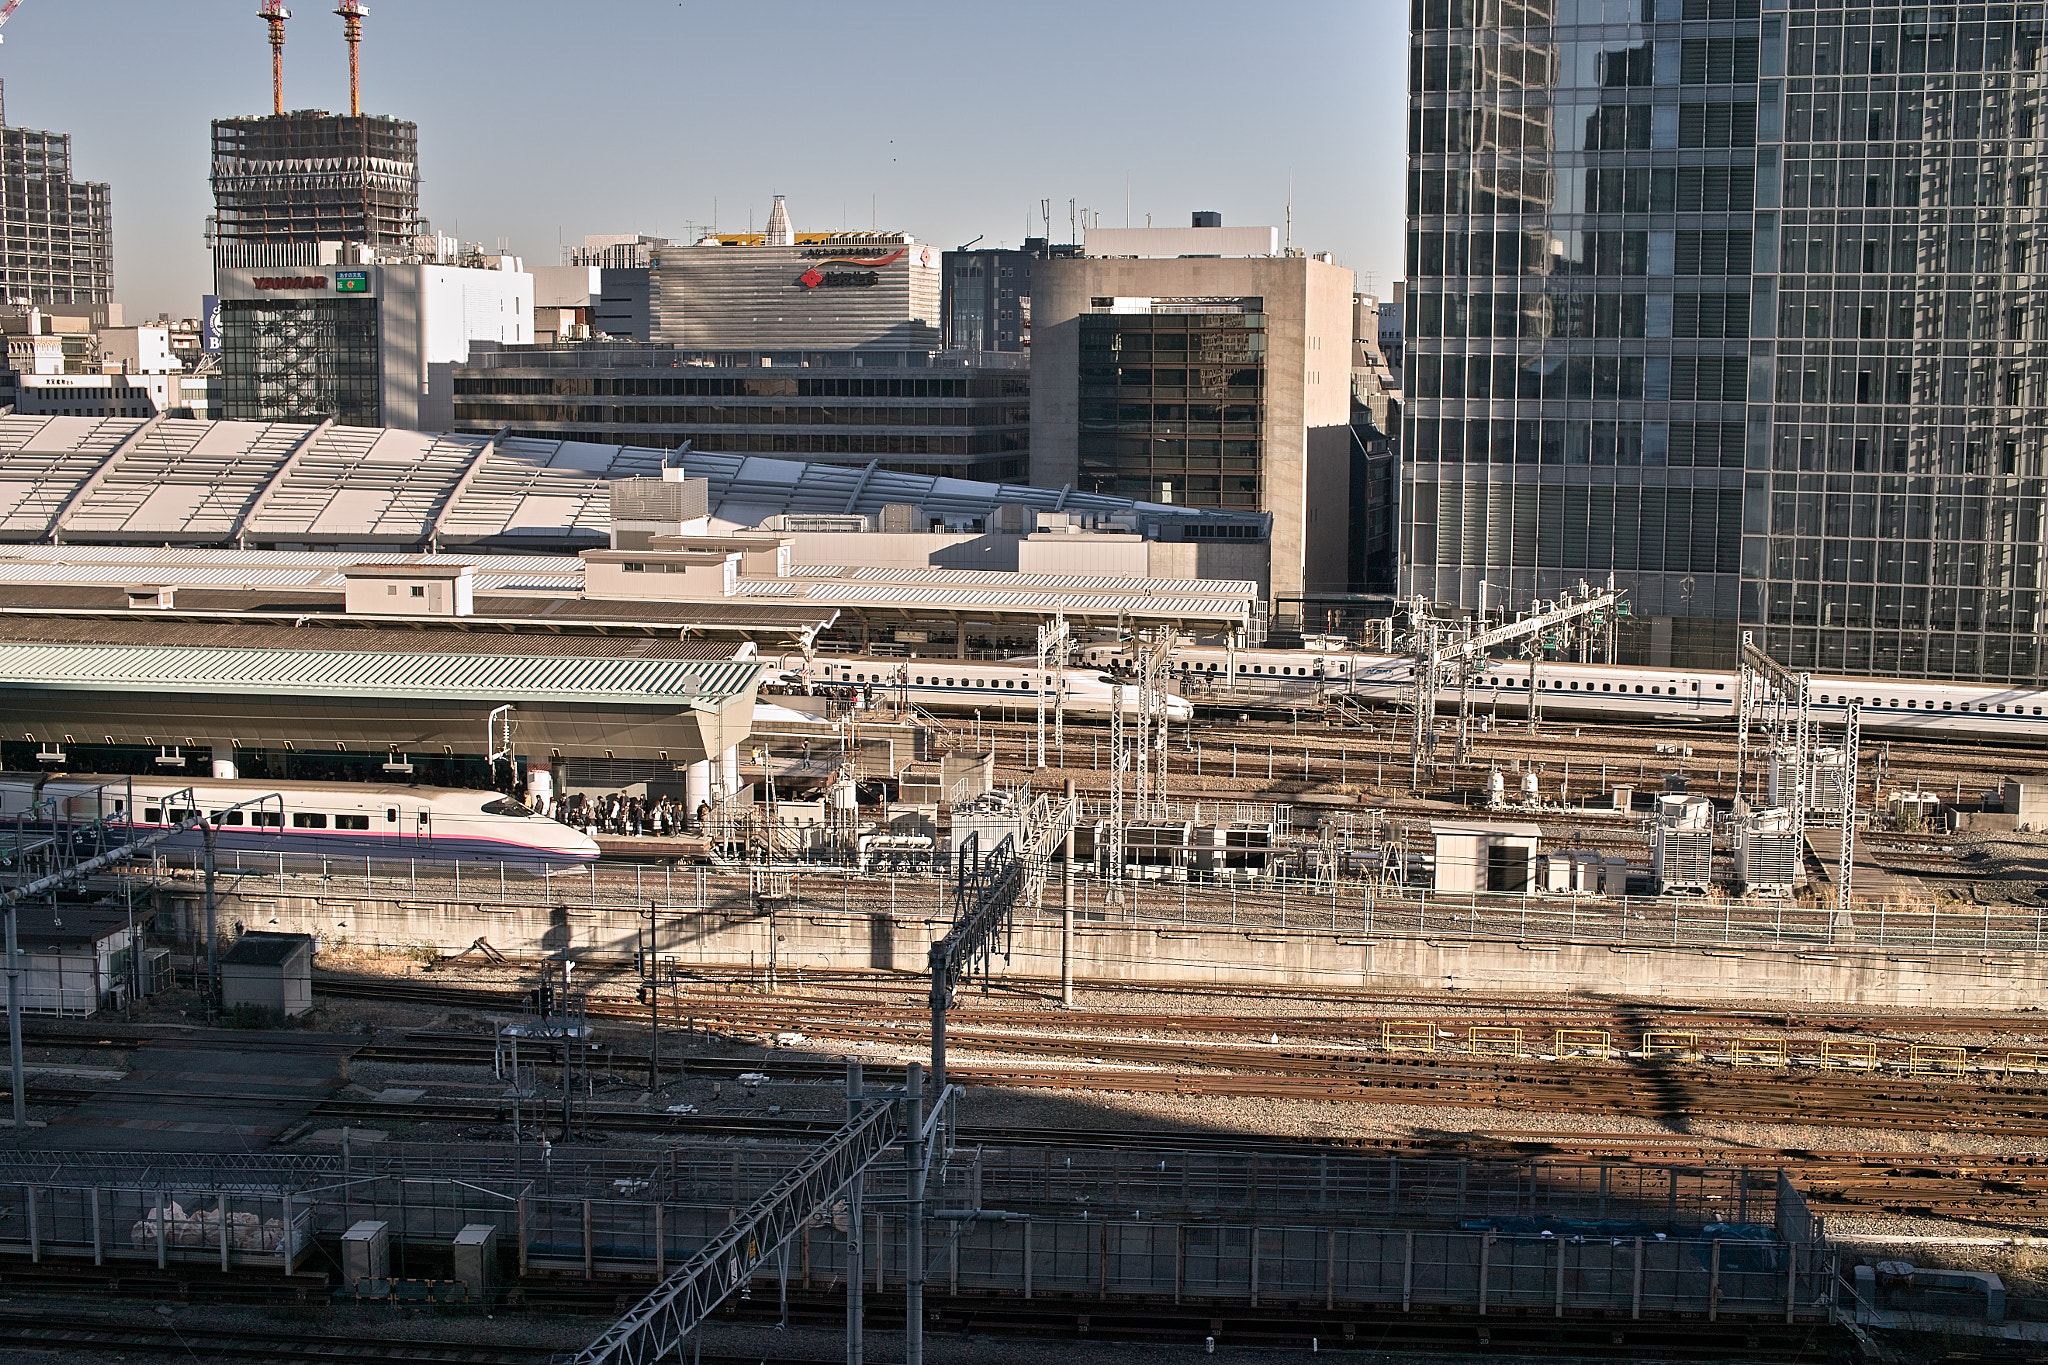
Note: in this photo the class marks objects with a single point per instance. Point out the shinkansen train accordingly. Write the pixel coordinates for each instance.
(1602, 691)
(324, 819)
(949, 685)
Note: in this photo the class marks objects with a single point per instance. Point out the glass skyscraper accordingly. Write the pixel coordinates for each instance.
(1734, 303)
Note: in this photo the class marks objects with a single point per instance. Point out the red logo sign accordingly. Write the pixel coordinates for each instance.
(814, 277)
(290, 282)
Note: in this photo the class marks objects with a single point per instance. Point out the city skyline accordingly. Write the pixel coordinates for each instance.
(923, 164)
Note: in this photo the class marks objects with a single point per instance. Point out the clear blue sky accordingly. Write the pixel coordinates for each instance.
(541, 121)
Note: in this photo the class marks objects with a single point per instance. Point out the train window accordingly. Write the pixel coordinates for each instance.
(178, 815)
(233, 817)
(1639, 690)
(153, 813)
(1910, 703)
(1606, 687)
(1009, 684)
(305, 819)
(267, 819)
(1944, 706)
(949, 682)
(1895, 702)
(2001, 709)
(391, 815)
(1575, 687)
(505, 805)
(1982, 707)
(919, 680)
(351, 822)
(981, 682)
(1718, 687)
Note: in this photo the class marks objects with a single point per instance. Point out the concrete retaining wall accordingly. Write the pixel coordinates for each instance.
(1108, 953)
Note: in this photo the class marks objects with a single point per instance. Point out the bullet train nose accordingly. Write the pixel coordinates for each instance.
(1179, 708)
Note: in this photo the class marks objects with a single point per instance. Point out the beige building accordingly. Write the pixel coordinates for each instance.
(1204, 381)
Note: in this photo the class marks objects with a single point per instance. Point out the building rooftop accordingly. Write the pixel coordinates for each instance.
(80, 481)
(261, 948)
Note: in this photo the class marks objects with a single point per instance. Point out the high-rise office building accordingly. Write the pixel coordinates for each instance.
(1732, 304)
(58, 232)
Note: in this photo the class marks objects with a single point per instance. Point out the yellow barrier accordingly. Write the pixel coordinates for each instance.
(1928, 1060)
(1484, 1040)
(1837, 1055)
(1757, 1052)
(1585, 1042)
(1682, 1046)
(1405, 1035)
(2034, 1062)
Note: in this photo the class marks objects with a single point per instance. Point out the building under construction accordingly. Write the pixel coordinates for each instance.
(285, 182)
(59, 232)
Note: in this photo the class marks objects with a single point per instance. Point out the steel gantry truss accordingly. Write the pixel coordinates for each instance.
(1449, 652)
(1852, 739)
(1053, 642)
(1773, 698)
(660, 1323)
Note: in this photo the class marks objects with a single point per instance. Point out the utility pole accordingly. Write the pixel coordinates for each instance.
(653, 989)
(209, 834)
(913, 1258)
(14, 1021)
(1067, 912)
(856, 1254)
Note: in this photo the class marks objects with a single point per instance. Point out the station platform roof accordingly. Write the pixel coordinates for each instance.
(168, 481)
(338, 699)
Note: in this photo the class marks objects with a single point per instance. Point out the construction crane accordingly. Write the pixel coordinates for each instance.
(274, 14)
(7, 11)
(352, 12)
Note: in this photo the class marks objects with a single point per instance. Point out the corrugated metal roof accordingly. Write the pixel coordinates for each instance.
(348, 673)
(990, 599)
(1199, 587)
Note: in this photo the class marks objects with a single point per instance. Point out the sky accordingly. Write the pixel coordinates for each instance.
(542, 121)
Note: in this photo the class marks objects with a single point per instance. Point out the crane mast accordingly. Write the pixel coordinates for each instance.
(7, 10)
(352, 12)
(274, 14)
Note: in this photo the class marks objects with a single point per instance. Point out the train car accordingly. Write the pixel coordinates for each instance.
(1604, 691)
(320, 819)
(956, 685)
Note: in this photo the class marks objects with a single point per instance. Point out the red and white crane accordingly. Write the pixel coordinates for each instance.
(7, 11)
(352, 12)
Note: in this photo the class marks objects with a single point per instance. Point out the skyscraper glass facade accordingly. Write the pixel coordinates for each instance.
(1731, 302)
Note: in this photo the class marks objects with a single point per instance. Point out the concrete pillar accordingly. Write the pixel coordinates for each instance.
(476, 1258)
(366, 1252)
(224, 761)
(696, 788)
(729, 763)
(540, 783)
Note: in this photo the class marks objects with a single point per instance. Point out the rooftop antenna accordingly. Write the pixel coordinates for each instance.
(1289, 248)
(352, 12)
(1045, 212)
(273, 13)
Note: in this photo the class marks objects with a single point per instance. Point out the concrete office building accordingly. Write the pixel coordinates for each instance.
(1205, 380)
(1736, 306)
(57, 233)
(957, 415)
(987, 297)
(786, 290)
(364, 345)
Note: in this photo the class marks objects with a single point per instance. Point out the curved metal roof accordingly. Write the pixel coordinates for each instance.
(159, 481)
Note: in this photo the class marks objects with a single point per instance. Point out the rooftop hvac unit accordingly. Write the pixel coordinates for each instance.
(1767, 855)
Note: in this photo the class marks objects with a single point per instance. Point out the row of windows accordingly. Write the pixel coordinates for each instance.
(1097, 413)
(1913, 703)
(1881, 184)
(627, 415)
(1888, 116)
(1541, 316)
(1680, 378)
(1930, 41)
(787, 386)
(1848, 450)
(1972, 245)
(1534, 441)
(268, 819)
(1465, 14)
(1675, 530)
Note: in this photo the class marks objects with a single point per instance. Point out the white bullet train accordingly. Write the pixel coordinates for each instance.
(1608, 692)
(320, 819)
(950, 685)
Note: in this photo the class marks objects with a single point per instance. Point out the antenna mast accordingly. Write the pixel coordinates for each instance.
(352, 12)
(273, 13)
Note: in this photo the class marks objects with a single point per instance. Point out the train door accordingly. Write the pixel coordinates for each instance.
(422, 832)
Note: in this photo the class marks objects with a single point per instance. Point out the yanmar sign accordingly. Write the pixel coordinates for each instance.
(289, 282)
